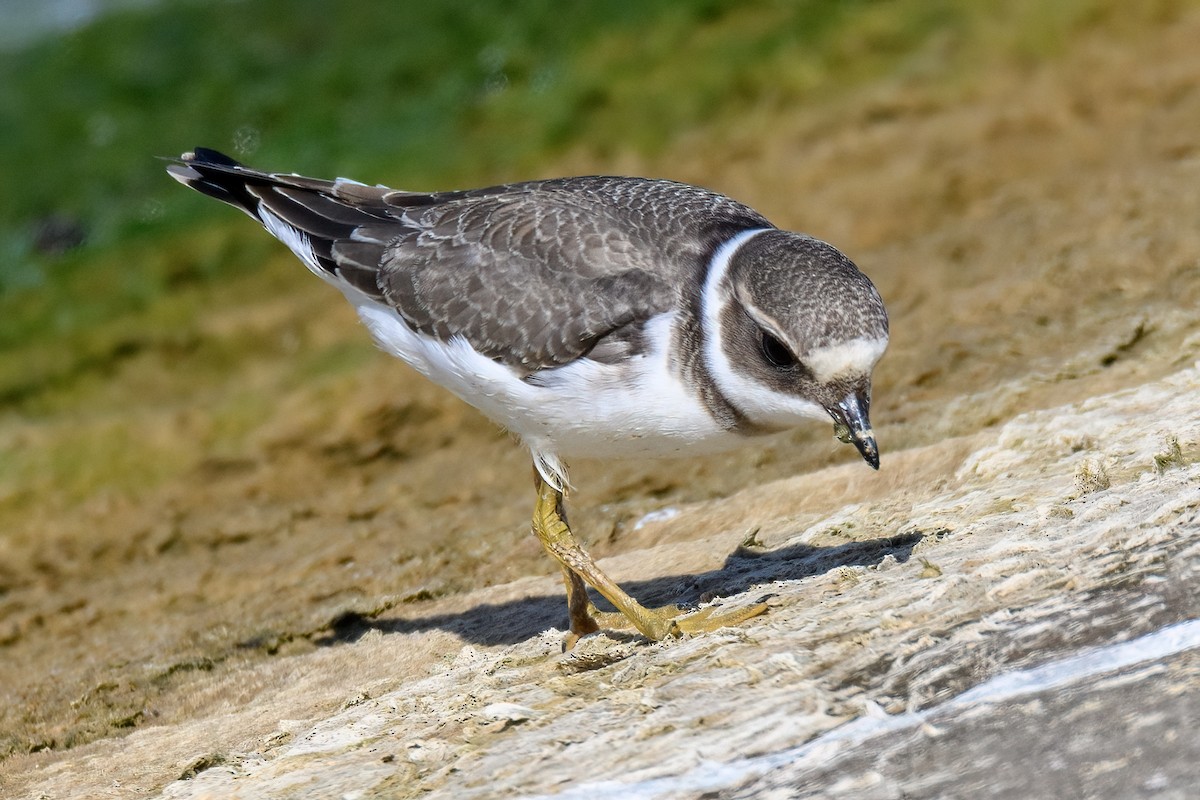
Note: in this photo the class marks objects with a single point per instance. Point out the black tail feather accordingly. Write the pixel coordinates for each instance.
(213, 158)
(218, 176)
(322, 217)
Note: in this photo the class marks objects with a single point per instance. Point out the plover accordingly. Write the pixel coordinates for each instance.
(595, 317)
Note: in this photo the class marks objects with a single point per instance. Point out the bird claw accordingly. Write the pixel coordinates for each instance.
(670, 622)
(712, 618)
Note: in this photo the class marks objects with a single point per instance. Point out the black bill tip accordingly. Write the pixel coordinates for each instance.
(868, 449)
(852, 425)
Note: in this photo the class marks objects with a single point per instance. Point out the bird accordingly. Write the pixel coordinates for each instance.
(593, 317)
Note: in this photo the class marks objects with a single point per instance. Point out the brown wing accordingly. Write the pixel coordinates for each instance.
(534, 275)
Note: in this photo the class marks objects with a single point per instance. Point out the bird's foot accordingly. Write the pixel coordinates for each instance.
(580, 570)
(711, 618)
(668, 621)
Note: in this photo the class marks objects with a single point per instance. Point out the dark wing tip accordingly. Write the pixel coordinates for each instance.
(209, 157)
(216, 175)
(188, 167)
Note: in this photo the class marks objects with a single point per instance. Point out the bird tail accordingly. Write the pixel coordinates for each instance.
(339, 229)
(218, 176)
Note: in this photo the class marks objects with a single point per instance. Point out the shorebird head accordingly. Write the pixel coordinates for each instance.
(794, 331)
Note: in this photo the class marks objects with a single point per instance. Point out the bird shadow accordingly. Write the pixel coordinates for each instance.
(519, 620)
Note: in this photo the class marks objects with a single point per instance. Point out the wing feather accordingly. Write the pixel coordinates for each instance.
(533, 275)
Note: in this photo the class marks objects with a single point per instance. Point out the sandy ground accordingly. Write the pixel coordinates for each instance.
(355, 608)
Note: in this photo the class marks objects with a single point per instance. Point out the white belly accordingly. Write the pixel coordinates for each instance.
(586, 409)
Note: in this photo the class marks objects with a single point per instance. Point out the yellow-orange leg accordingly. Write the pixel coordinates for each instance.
(550, 526)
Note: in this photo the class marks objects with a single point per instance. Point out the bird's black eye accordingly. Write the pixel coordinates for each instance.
(775, 352)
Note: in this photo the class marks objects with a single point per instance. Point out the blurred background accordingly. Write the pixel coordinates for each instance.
(104, 263)
(198, 437)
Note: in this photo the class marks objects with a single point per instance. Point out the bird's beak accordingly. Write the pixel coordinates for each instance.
(852, 425)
